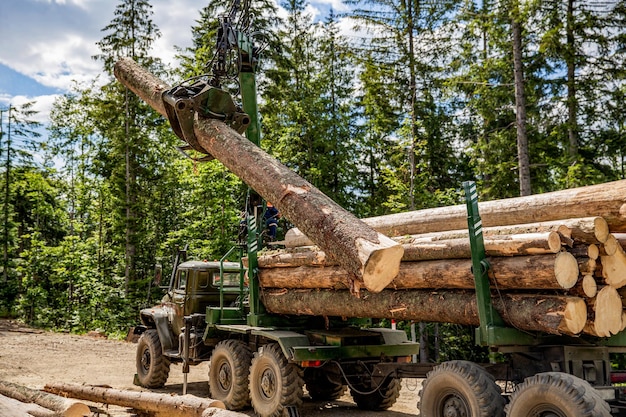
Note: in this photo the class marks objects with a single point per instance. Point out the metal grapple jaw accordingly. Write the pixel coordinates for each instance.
(185, 102)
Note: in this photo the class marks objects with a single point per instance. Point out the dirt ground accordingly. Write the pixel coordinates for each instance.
(35, 358)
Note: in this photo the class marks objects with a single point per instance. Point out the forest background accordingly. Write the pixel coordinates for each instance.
(521, 96)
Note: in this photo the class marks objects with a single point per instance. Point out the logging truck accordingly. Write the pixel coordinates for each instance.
(539, 277)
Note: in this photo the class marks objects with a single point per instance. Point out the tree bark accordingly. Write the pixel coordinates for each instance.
(10, 407)
(523, 158)
(162, 404)
(422, 249)
(540, 272)
(590, 230)
(544, 313)
(371, 258)
(503, 245)
(61, 406)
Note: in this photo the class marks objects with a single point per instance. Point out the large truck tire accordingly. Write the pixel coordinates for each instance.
(381, 399)
(460, 388)
(556, 394)
(153, 367)
(275, 384)
(321, 386)
(228, 374)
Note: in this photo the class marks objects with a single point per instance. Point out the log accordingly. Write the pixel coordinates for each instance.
(605, 313)
(586, 266)
(613, 264)
(582, 230)
(418, 249)
(590, 286)
(371, 258)
(540, 272)
(585, 251)
(601, 200)
(501, 245)
(60, 406)
(10, 407)
(529, 312)
(162, 404)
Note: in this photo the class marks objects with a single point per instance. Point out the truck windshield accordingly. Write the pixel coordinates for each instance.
(231, 279)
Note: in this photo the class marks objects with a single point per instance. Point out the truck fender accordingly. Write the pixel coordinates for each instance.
(161, 322)
(286, 340)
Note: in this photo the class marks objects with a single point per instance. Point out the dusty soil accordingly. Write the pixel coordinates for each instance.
(35, 358)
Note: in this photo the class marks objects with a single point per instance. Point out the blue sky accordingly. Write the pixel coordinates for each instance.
(47, 45)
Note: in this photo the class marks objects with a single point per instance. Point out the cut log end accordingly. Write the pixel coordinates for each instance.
(566, 270)
(383, 263)
(77, 410)
(601, 229)
(574, 316)
(590, 286)
(554, 242)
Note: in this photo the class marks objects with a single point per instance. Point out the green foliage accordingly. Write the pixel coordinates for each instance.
(389, 122)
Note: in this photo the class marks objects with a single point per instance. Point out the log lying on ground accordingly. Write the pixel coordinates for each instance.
(372, 258)
(10, 407)
(551, 272)
(59, 405)
(160, 404)
(530, 312)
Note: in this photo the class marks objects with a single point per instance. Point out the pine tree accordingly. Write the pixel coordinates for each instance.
(580, 46)
(131, 33)
(18, 139)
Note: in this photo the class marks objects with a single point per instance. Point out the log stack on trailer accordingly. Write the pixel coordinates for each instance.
(557, 266)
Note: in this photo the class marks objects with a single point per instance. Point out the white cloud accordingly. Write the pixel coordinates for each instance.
(52, 41)
(43, 105)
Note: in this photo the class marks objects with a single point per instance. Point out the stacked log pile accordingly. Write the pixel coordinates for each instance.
(558, 266)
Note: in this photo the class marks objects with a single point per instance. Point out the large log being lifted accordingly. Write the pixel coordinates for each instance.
(530, 312)
(371, 258)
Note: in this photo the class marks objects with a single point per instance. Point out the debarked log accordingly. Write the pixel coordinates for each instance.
(62, 407)
(547, 272)
(418, 249)
(588, 230)
(161, 404)
(370, 257)
(607, 201)
(529, 312)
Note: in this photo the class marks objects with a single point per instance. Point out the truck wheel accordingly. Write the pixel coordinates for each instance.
(379, 400)
(556, 394)
(274, 382)
(321, 387)
(460, 388)
(152, 367)
(228, 374)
